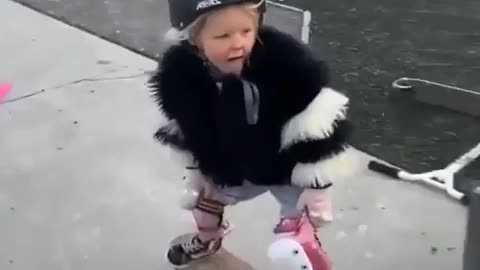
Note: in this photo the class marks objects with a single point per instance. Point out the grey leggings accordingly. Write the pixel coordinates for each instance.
(286, 195)
(207, 223)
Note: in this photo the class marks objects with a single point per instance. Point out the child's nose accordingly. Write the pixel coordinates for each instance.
(238, 41)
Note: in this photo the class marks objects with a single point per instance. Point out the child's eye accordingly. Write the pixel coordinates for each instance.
(221, 36)
(246, 31)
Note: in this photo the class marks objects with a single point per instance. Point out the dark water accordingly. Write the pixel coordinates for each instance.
(371, 43)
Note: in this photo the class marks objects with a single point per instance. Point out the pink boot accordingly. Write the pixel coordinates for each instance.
(319, 204)
(298, 246)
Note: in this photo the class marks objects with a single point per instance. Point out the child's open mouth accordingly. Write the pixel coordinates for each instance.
(236, 58)
(233, 64)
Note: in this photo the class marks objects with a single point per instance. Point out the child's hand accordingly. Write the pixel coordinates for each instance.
(319, 205)
(194, 185)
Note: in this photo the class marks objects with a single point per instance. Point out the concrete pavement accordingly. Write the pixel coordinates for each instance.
(84, 186)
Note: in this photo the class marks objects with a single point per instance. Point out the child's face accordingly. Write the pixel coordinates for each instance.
(227, 38)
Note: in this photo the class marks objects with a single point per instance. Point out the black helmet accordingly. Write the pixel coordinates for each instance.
(185, 12)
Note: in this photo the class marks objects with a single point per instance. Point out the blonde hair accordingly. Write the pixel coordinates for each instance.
(192, 30)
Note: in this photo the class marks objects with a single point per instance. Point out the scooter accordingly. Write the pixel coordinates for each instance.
(444, 178)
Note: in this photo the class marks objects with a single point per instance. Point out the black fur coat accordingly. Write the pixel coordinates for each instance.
(300, 138)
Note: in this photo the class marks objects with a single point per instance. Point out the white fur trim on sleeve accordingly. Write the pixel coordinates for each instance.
(317, 120)
(325, 171)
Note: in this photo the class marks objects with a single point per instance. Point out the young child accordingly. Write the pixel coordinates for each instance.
(249, 108)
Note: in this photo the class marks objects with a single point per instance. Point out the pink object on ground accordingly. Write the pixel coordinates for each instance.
(318, 257)
(297, 247)
(4, 88)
